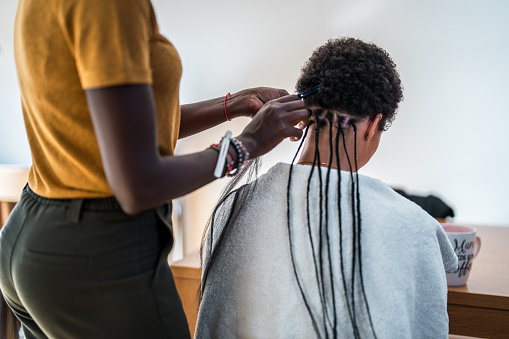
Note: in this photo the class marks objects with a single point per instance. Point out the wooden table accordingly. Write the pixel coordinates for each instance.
(479, 309)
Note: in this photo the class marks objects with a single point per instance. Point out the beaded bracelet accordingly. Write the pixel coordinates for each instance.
(243, 148)
(242, 155)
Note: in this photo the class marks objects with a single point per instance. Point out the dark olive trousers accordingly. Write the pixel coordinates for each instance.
(81, 268)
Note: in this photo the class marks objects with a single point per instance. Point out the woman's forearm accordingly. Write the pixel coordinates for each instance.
(200, 116)
(203, 115)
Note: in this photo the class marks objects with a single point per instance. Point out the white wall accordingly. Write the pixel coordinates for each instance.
(450, 135)
(14, 147)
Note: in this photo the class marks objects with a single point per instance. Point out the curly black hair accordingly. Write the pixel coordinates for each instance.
(358, 78)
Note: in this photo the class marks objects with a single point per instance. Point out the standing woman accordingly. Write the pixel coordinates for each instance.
(84, 253)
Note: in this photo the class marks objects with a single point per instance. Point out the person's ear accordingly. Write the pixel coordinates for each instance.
(373, 127)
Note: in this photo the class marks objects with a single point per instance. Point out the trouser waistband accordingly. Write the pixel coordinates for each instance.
(77, 205)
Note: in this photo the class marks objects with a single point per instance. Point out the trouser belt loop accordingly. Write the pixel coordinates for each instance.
(74, 210)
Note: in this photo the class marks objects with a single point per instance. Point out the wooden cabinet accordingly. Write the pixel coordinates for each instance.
(187, 275)
(12, 181)
(5, 209)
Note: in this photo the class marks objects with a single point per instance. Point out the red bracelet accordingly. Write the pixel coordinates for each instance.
(224, 104)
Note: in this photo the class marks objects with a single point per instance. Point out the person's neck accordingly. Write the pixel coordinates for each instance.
(308, 152)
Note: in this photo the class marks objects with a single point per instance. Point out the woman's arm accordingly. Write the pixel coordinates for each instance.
(203, 115)
(124, 120)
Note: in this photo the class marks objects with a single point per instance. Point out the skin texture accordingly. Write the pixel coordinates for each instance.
(124, 120)
(368, 139)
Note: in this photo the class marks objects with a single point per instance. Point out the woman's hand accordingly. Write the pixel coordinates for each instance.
(275, 121)
(249, 101)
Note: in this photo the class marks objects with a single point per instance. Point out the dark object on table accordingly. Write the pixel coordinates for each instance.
(431, 204)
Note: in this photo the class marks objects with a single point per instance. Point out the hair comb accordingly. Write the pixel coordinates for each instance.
(305, 94)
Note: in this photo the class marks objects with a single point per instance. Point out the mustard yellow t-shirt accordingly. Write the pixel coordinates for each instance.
(65, 46)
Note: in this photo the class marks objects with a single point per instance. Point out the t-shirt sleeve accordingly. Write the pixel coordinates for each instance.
(109, 40)
(449, 258)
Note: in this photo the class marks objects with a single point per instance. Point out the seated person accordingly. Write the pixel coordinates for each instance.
(315, 250)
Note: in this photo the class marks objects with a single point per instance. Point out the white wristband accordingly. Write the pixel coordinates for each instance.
(225, 143)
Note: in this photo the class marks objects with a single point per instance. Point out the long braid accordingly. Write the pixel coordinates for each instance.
(339, 133)
(354, 237)
(308, 214)
(295, 272)
(331, 276)
(319, 264)
(360, 231)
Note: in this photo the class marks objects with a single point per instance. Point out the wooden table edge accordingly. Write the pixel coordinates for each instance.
(478, 300)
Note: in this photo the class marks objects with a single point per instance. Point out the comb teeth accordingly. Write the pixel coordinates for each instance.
(305, 94)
